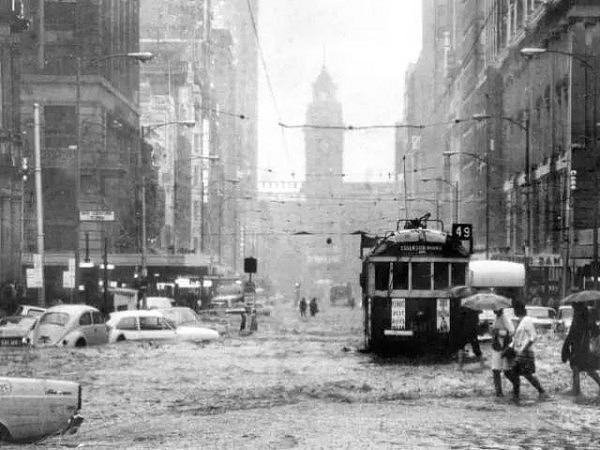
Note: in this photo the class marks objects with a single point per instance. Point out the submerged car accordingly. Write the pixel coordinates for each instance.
(70, 326)
(159, 302)
(152, 325)
(31, 311)
(15, 330)
(564, 318)
(32, 408)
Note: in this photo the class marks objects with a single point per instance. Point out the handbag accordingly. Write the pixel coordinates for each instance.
(525, 362)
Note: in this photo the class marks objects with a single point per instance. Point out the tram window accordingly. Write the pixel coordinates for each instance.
(458, 274)
(421, 276)
(400, 275)
(440, 275)
(382, 276)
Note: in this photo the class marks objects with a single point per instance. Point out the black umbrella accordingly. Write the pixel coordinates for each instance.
(581, 297)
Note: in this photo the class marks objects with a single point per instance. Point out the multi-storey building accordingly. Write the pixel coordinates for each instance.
(94, 115)
(512, 125)
(13, 21)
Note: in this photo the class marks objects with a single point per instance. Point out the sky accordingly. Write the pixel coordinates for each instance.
(366, 45)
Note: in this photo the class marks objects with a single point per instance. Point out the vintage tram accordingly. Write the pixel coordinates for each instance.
(406, 280)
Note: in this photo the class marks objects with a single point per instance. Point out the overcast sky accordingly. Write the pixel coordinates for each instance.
(368, 45)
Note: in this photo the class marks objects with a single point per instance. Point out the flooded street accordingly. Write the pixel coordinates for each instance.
(302, 383)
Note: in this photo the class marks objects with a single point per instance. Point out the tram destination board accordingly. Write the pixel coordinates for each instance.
(464, 232)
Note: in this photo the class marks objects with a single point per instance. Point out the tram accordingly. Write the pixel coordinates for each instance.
(405, 282)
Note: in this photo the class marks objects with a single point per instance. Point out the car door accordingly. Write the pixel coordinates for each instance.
(100, 328)
(155, 327)
(86, 327)
(128, 326)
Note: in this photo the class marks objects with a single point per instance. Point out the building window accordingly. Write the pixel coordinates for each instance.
(59, 16)
(59, 126)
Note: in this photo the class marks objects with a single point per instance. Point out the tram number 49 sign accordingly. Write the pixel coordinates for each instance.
(464, 232)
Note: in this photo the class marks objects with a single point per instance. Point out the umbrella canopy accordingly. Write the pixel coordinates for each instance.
(486, 301)
(462, 291)
(581, 296)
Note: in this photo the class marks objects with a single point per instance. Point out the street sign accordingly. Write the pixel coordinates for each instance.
(72, 265)
(464, 232)
(250, 265)
(34, 277)
(97, 216)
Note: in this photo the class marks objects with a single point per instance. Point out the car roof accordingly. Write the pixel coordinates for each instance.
(156, 297)
(136, 313)
(538, 307)
(71, 308)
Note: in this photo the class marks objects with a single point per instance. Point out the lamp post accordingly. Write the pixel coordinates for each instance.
(534, 51)
(487, 192)
(454, 187)
(138, 56)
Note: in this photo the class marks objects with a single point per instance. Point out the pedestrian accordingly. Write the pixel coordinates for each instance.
(243, 321)
(467, 334)
(536, 300)
(502, 331)
(253, 321)
(521, 355)
(314, 308)
(581, 347)
(303, 306)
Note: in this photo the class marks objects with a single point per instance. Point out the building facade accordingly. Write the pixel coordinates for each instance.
(510, 126)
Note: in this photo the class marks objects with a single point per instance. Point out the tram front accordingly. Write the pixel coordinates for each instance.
(406, 280)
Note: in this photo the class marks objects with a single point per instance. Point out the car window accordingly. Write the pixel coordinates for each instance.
(153, 323)
(85, 319)
(127, 323)
(55, 318)
(34, 313)
(98, 317)
(187, 316)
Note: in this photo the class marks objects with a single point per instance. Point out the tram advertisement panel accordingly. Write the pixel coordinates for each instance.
(443, 315)
(398, 314)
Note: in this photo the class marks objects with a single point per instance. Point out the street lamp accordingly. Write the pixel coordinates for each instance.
(454, 187)
(138, 56)
(534, 51)
(487, 191)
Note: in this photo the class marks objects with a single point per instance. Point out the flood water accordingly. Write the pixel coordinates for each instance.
(302, 383)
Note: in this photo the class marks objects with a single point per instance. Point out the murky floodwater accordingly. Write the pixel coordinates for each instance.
(302, 383)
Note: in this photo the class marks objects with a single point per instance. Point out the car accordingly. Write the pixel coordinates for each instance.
(183, 316)
(70, 326)
(15, 330)
(152, 325)
(159, 302)
(544, 317)
(32, 408)
(28, 310)
(564, 317)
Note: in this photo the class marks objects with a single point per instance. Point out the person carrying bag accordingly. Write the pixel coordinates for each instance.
(521, 357)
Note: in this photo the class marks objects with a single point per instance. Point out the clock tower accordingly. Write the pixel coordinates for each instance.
(324, 148)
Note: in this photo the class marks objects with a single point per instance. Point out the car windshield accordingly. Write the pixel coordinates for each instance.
(55, 318)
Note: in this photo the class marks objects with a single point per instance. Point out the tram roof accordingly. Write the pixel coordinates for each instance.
(419, 240)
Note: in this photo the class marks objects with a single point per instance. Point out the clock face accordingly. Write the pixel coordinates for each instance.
(322, 95)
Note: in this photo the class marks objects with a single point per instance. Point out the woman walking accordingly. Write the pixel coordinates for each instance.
(502, 332)
(523, 362)
(577, 349)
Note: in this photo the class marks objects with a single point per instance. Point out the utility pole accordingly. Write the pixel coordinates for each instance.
(39, 200)
(105, 278)
(77, 177)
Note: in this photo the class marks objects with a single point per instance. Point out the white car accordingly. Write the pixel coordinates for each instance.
(152, 325)
(31, 408)
(70, 326)
(31, 311)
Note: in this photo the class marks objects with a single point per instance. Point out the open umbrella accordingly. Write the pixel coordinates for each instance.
(486, 301)
(581, 296)
(462, 291)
